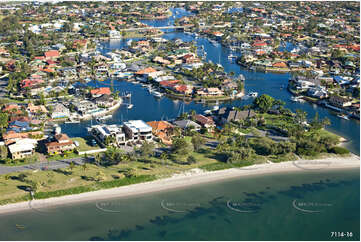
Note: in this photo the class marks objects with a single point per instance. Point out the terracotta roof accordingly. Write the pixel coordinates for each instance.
(159, 125)
(101, 91)
(51, 53)
(146, 71)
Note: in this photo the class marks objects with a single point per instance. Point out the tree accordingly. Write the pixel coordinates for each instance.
(181, 147)
(300, 117)
(264, 103)
(163, 157)
(3, 152)
(4, 117)
(100, 176)
(147, 149)
(71, 165)
(197, 141)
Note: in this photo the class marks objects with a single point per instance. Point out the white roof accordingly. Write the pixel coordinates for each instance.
(138, 125)
(22, 145)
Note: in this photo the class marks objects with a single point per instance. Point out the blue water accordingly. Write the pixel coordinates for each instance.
(250, 208)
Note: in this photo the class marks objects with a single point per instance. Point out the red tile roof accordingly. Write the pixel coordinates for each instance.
(101, 91)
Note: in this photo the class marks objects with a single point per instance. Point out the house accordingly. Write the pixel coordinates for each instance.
(138, 130)
(104, 100)
(60, 143)
(35, 109)
(22, 148)
(163, 130)
(339, 101)
(187, 124)
(60, 111)
(279, 65)
(100, 91)
(11, 136)
(183, 89)
(52, 54)
(211, 91)
(206, 122)
(107, 134)
(84, 107)
(226, 115)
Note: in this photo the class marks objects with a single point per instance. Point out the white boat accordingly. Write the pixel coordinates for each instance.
(215, 108)
(130, 106)
(129, 42)
(343, 116)
(208, 111)
(297, 99)
(157, 94)
(231, 56)
(253, 94)
(215, 43)
(100, 119)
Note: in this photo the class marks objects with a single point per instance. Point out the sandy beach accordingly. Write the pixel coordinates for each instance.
(192, 177)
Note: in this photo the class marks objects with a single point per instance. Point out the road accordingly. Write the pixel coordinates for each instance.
(52, 165)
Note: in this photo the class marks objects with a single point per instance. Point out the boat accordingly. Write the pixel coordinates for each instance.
(129, 42)
(343, 116)
(231, 56)
(208, 111)
(157, 94)
(104, 118)
(297, 99)
(215, 43)
(215, 108)
(130, 106)
(253, 94)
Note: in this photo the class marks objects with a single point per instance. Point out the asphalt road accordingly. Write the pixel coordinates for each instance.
(52, 165)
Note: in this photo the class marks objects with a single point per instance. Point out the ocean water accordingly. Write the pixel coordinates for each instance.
(304, 205)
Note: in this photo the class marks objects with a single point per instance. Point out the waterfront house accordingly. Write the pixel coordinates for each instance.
(100, 91)
(210, 92)
(187, 124)
(108, 134)
(226, 115)
(59, 144)
(206, 122)
(60, 111)
(104, 101)
(137, 130)
(84, 107)
(339, 101)
(163, 130)
(22, 148)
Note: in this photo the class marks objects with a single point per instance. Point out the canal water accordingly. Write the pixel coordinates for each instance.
(147, 107)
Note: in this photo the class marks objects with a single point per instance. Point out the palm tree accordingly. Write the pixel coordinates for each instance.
(163, 157)
(71, 165)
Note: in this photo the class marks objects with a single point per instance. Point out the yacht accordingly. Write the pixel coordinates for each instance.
(215, 43)
(130, 106)
(208, 111)
(253, 94)
(231, 56)
(157, 94)
(100, 119)
(343, 116)
(215, 108)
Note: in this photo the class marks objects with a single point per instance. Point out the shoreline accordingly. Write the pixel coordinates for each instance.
(187, 179)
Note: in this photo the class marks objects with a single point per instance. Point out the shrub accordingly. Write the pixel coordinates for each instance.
(339, 150)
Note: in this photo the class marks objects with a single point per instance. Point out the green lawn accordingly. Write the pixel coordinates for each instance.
(84, 144)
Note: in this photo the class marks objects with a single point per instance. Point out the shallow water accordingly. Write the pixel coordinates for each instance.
(307, 205)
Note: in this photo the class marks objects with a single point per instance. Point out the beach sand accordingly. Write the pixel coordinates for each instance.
(192, 177)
